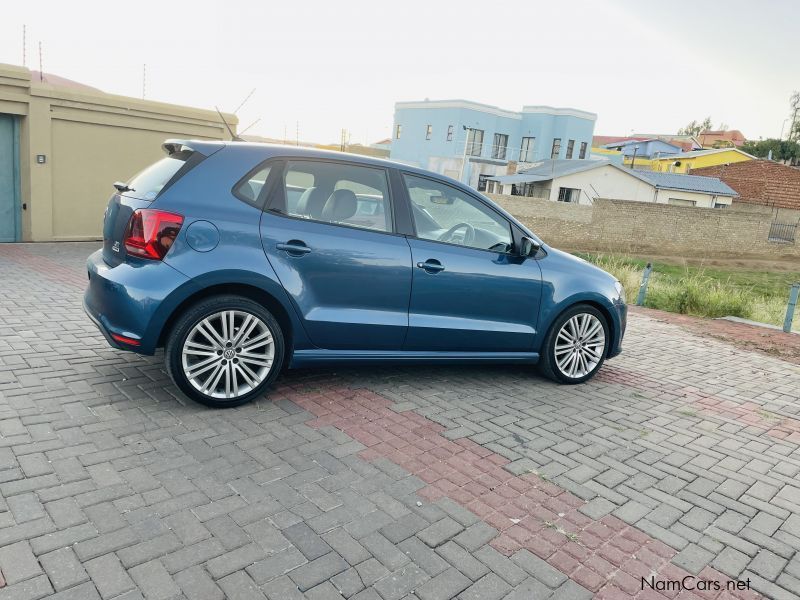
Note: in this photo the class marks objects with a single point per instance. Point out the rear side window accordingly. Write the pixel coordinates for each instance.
(249, 189)
(337, 193)
(149, 183)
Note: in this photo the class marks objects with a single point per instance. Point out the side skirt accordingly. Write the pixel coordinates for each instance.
(317, 357)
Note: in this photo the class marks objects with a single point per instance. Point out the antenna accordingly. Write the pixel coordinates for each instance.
(144, 80)
(234, 137)
(249, 126)
(24, 46)
(241, 104)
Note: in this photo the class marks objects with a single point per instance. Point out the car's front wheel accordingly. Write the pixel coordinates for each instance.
(224, 351)
(576, 345)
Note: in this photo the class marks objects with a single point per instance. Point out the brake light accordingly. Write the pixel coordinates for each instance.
(151, 233)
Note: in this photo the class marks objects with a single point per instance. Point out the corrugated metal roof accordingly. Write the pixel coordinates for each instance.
(545, 170)
(689, 183)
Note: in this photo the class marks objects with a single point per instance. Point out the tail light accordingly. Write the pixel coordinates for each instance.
(151, 233)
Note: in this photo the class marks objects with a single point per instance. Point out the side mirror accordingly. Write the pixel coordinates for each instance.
(528, 246)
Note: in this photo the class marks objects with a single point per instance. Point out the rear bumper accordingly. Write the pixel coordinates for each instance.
(127, 302)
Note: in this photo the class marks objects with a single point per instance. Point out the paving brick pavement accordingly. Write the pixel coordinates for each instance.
(681, 457)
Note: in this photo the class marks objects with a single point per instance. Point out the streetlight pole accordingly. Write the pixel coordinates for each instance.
(464, 159)
(633, 160)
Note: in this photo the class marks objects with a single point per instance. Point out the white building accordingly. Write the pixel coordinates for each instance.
(583, 181)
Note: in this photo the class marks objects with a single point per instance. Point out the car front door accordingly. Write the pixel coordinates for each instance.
(470, 290)
(328, 233)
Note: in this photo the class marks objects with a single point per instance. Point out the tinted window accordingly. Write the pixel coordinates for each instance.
(443, 213)
(148, 183)
(250, 188)
(337, 193)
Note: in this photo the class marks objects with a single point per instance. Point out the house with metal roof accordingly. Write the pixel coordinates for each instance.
(582, 182)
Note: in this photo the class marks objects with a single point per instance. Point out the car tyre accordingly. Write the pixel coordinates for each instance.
(224, 351)
(575, 346)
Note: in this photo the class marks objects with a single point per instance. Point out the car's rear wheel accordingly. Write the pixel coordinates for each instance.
(224, 351)
(575, 346)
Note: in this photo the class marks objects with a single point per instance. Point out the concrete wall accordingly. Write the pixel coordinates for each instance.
(90, 140)
(635, 227)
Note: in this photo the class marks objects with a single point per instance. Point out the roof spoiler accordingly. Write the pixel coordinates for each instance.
(175, 146)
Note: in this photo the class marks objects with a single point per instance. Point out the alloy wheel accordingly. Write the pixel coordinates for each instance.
(579, 345)
(228, 354)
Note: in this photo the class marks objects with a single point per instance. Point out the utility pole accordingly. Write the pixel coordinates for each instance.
(343, 142)
(297, 133)
(41, 71)
(633, 160)
(24, 46)
(464, 159)
(144, 80)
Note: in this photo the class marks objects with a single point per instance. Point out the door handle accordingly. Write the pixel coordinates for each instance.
(294, 247)
(431, 266)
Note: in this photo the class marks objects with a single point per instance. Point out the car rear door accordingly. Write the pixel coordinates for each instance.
(470, 291)
(337, 255)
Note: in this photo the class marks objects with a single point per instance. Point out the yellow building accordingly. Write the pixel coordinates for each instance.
(685, 162)
(63, 145)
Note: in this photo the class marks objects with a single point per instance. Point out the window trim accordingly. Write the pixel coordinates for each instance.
(428, 132)
(266, 190)
(570, 149)
(582, 151)
(280, 192)
(398, 130)
(449, 133)
(496, 147)
(528, 151)
(511, 225)
(553, 154)
(470, 146)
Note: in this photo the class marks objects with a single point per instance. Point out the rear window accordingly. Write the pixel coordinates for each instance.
(150, 182)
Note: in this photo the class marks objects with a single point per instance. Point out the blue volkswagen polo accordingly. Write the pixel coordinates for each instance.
(242, 259)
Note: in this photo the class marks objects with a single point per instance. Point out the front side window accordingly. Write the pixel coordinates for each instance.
(570, 148)
(556, 148)
(526, 150)
(499, 146)
(443, 213)
(474, 142)
(337, 193)
(428, 132)
(582, 153)
(397, 131)
(449, 133)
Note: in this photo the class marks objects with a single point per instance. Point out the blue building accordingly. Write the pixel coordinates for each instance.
(473, 142)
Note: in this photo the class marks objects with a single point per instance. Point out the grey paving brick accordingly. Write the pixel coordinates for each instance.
(438, 533)
(197, 585)
(194, 554)
(443, 586)
(239, 586)
(103, 544)
(462, 560)
(502, 565)
(382, 549)
(475, 536)
(370, 571)
(489, 587)
(235, 560)
(63, 568)
(597, 508)
(109, 576)
(403, 528)
(154, 581)
(693, 558)
(631, 512)
(25, 507)
(30, 589)
(306, 540)
(18, 563)
(767, 565)
(315, 572)
(538, 568)
(149, 549)
(283, 588)
(276, 565)
(347, 547)
(731, 562)
(347, 583)
(400, 582)
(570, 590)
(84, 591)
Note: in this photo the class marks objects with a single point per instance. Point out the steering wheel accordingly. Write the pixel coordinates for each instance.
(466, 239)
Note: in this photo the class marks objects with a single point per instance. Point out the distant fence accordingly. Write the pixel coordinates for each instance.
(641, 227)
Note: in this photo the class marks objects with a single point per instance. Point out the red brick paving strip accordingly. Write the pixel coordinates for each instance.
(48, 267)
(606, 556)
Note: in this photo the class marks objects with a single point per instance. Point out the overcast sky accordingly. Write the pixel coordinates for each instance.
(644, 66)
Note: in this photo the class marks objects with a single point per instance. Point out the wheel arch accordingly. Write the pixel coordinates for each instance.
(605, 310)
(251, 292)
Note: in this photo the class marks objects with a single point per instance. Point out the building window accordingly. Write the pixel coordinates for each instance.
(568, 194)
(526, 150)
(556, 148)
(499, 146)
(428, 132)
(570, 148)
(397, 131)
(582, 153)
(474, 142)
(449, 133)
(681, 202)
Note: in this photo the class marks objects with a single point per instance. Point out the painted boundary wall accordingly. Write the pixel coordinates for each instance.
(89, 140)
(635, 227)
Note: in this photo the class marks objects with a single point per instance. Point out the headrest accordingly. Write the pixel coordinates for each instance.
(341, 205)
(311, 203)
